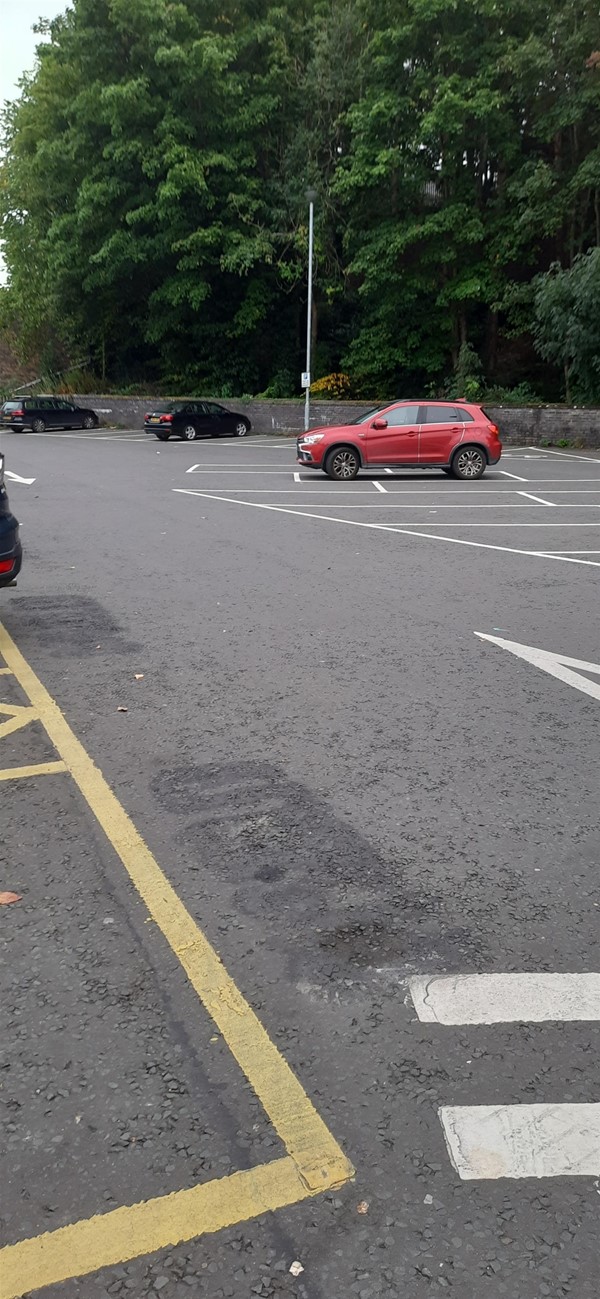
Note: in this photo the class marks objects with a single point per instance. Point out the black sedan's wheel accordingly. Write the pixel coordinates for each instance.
(242, 428)
(90, 421)
(38, 426)
(342, 463)
(468, 462)
(189, 433)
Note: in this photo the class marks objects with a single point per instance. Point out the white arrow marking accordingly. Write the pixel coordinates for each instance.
(16, 478)
(558, 665)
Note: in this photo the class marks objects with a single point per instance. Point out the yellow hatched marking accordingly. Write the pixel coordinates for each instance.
(317, 1159)
(17, 719)
(138, 1229)
(37, 769)
(5, 672)
(14, 710)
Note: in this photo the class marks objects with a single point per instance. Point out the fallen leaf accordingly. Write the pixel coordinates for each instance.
(296, 1268)
(7, 898)
(121, 708)
(363, 1207)
(138, 676)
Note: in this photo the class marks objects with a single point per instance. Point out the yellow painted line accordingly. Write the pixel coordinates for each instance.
(37, 769)
(14, 710)
(139, 1229)
(5, 672)
(318, 1159)
(20, 717)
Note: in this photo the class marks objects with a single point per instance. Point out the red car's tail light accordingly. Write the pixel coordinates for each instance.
(495, 430)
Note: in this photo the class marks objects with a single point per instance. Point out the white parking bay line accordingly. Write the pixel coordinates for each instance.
(538, 499)
(386, 527)
(515, 476)
(505, 998)
(388, 471)
(491, 1141)
(379, 486)
(567, 455)
(296, 477)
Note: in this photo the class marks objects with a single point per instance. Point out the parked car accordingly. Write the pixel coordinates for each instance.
(195, 419)
(457, 437)
(10, 545)
(41, 413)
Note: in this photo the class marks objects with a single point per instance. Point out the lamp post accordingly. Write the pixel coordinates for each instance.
(311, 195)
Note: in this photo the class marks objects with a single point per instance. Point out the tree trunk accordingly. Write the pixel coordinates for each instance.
(491, 347)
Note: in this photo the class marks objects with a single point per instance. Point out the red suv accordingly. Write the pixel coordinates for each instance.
(454, 436)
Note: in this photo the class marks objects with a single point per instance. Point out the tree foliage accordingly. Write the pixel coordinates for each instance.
(567, 323)
(156, 161)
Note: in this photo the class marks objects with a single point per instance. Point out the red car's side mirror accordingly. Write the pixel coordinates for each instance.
(379, 423)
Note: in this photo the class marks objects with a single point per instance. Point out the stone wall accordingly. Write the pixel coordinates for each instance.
(527, 426)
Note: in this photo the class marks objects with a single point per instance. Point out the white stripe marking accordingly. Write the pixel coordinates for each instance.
(192, 469)
(240, 472)
(385, 527)
(380, 488)
(296, 477)
(388, 471)
(491, 1141)
(558, 665)
(542, 502)
(516, 477)
(569, 456)
(423, 493)
(16, 478)
(505, 998)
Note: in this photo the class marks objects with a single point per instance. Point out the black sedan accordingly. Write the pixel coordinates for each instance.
(41, 413)
(10, 545)
(195, 419)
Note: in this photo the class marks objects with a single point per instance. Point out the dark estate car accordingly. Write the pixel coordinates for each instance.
(195, 419)
(10, 545)
(40, 413)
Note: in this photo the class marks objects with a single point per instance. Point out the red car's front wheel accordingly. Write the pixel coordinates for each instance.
(342, 463)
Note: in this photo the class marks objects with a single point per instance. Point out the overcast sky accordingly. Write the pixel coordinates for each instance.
(17, 47)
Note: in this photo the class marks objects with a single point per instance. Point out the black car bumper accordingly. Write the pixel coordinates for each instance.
(11, 551)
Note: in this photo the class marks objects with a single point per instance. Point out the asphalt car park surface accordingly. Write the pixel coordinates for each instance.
(353, 795)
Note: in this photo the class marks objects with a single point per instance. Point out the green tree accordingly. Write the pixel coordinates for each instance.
(473, 160)
(567, 324)
(153, 205)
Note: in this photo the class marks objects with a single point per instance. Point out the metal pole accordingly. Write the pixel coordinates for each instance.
(311, 212)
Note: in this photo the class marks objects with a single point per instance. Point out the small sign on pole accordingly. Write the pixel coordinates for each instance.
(305, 382)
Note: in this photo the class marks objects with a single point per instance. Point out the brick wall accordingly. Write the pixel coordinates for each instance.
(527, 426)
